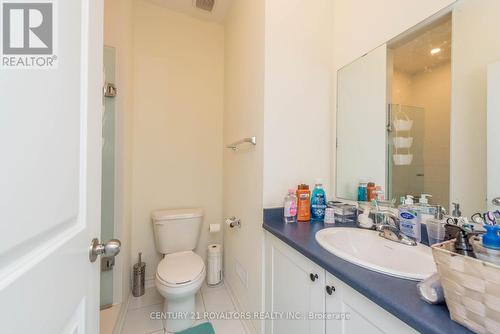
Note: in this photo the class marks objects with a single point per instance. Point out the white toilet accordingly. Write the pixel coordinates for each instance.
(181, 272)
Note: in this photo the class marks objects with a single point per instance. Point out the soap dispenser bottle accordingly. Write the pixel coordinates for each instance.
(425, 211)
(409, 223)
(456, 213)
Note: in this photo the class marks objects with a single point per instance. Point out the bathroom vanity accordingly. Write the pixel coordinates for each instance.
(296, 283)
(300, 276)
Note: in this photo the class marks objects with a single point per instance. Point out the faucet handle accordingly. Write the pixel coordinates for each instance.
(389, 218)
(392, 233)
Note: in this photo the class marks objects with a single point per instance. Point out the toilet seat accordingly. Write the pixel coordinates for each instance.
(180, 269)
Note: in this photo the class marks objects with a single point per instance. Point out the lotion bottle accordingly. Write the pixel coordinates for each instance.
(303, 203)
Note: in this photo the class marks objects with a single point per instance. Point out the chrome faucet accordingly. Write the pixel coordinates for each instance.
(389, 229)
(386, 217)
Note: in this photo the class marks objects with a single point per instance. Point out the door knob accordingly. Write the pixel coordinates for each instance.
(496, 201)
(330, 289)
(109, 249)
(313, 277)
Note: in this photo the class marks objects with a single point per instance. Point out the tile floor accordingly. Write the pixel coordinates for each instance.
(208, 299)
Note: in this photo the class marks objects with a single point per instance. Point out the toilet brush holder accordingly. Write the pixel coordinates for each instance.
(139, 274)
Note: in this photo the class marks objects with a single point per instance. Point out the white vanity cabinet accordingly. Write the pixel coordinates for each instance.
(363, 315)
(292, 286)
(295, 286)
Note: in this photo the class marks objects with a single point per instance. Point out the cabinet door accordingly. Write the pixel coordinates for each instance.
(357, 313)
(334, 306)
(294, 289)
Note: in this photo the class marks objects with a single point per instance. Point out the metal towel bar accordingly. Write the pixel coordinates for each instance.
(234, 146)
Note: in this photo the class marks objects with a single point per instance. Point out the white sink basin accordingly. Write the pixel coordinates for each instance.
(367, 249)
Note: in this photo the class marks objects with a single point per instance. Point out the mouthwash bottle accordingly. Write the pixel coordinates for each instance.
(409, 224)
(318, 202)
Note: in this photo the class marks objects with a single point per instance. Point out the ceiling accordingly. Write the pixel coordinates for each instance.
(188, 7)
(412, 55)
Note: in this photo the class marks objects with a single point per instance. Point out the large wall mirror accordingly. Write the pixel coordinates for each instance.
(416, 115)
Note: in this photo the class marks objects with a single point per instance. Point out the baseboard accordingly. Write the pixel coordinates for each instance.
(121, 316)
(247, 324)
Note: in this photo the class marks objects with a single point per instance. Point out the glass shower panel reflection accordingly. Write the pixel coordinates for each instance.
(406, 134)
(108, 175)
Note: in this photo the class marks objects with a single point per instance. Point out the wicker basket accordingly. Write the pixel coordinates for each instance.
(471, 288)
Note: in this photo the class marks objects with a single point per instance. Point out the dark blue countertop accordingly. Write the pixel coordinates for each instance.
(397, 296)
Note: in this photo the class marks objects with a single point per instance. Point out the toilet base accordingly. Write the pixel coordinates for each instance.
(180, 314)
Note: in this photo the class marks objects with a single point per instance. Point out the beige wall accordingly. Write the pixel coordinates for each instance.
(401, 88)
(243, 170)
(360, 26)
(278, 71)
(118, 34)
(404, 178)
(430, 90)
(177, 124)
(297, 114)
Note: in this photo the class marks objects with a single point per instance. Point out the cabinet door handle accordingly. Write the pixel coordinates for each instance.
(313, 277)
(330, 289)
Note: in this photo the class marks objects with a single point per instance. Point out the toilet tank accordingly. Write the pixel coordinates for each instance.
(176, 230)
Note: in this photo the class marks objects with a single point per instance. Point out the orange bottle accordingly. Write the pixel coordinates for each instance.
(303, 203)
(370, 192)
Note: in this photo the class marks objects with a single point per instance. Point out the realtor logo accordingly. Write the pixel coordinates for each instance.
(28, 34)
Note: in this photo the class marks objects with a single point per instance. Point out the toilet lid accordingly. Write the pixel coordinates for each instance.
(180, 268)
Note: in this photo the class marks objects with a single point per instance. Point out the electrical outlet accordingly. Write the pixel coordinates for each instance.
(242, 273)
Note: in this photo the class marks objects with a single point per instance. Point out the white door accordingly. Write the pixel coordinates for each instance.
(50, 144)
(493, 136)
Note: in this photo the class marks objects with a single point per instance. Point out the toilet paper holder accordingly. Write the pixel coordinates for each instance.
(233, 222)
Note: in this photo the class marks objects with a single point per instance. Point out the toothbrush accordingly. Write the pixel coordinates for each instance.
(496, 214)
(490, 218)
